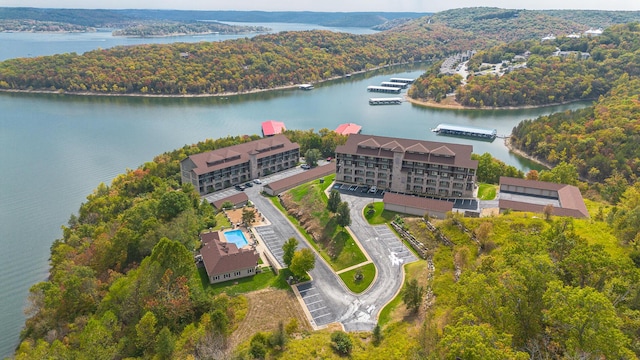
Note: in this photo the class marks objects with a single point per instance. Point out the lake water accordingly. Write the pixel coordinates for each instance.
(55, 149)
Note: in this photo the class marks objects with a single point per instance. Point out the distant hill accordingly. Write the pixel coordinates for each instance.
(111, 18)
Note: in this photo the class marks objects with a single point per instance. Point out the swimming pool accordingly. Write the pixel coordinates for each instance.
(236, 237)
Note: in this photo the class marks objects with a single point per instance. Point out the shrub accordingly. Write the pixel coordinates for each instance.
(341, 342)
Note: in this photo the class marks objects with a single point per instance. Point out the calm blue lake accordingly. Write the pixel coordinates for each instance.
(56, 149)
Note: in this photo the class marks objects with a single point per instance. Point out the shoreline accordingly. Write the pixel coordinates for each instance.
(226, 94)
(508, 145)
(454, 105)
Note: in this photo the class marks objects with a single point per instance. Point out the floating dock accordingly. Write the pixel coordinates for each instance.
(385, 101)
(394, 84)
(384, 89)
(402, 80)
(305, 87)
(466, 131)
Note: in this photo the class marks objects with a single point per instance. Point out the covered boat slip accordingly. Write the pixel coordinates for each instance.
(466, 131)
(385, 101)
(402, 80)
(384, 89)
(394, 84)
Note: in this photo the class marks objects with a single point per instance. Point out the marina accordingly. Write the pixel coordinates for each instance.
(385, 101)
(466, 131)
(383, 89)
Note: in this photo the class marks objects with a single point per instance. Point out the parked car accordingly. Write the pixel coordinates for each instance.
(329, 159)
(248, 184)
(353, 187)
(305, 166)
(373, 190)
(239, 187)
(257, 181)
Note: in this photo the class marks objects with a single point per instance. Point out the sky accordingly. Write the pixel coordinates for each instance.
(328, 5)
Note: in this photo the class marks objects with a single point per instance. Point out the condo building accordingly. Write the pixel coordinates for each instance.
(407, 166)
(218, 169)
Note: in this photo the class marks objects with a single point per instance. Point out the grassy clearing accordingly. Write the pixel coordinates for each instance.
(358, 286)
(395, 311)
(221, 221)
(244, 285)
(487, 191)
(380, 216)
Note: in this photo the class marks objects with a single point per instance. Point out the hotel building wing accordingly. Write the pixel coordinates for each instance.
(407, 166)
(221, 168)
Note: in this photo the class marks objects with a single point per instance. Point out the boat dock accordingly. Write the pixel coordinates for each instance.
(466, 131)
(394, 84)
(385, 101)
(402, 80)
(383, 89)
(305, 87)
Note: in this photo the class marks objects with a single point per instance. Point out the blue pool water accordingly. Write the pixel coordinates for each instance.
(236, 237)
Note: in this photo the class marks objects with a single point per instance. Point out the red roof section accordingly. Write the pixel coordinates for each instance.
(348, 129)
(272, 127)
(569, 197)
(221, 257)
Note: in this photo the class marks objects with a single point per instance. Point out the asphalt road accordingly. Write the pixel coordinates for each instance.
(326, 297)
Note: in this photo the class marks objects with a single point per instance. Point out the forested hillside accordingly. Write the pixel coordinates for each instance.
(123, 282)
(268, 61)
(553, 71)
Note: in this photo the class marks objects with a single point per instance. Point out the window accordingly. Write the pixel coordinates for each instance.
(227, 276)
(237, 273)
(217, 277)
(250, 270)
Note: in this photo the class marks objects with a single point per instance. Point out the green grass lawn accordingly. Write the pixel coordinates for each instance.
(348, 252)
(368, 272)
(221, 221)
(412, 271)
(487, 191)
(381, 216)
(244, 285)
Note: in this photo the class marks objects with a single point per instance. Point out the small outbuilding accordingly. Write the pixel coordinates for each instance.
(533, 196)
(415, 205)
(237, 200)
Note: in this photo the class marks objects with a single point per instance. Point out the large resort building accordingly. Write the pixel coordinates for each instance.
(407, 166)
(218, 169)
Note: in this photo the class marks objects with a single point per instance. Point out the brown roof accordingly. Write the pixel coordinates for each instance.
(369, 145)
(417, 202)
(559, 211)
(221, 257)
(569, 197)
(301, 178)
(236, 199)
(237, 154)
(543, 185)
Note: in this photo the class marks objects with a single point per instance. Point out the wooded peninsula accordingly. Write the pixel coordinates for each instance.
(123, 283)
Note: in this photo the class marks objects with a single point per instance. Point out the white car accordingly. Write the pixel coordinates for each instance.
(373, 189)
(257, 181)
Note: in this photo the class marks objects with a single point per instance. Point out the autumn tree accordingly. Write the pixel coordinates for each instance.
(303, 261)
(289, 249)
(334, 201)
(312, 156)
(248, 216)
(343, 216)
(412, 295)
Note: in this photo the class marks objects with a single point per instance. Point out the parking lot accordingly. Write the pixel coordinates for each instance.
(398, 252)
(316, 304)
(273, 241)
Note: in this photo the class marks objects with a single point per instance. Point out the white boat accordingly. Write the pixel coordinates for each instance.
(305, 87)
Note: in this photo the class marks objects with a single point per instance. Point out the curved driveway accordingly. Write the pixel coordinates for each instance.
(326, 298)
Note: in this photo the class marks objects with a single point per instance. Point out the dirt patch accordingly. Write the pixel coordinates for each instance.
(266, 309)
(235, 216)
